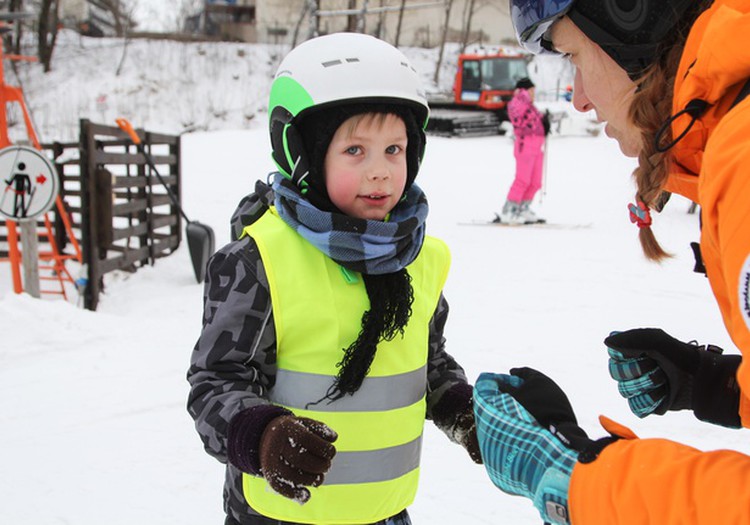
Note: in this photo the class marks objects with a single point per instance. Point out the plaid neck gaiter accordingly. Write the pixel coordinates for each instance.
(361, 245)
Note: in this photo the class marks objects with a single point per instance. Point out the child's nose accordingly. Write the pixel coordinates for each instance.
(379, 168)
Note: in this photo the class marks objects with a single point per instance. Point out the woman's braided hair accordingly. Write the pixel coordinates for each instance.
(650, 109)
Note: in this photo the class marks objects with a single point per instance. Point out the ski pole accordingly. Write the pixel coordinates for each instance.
(544, 171)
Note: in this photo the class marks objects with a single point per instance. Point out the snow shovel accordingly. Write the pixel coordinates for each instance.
(200, 237)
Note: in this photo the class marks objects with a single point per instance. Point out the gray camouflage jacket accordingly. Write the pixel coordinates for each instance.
(233, 364)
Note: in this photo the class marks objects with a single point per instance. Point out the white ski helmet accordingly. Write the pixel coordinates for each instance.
(334, 70)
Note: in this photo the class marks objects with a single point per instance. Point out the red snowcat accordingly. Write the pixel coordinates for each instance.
(484, 83)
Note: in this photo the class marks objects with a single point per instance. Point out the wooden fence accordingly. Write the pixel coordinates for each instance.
(120, 212)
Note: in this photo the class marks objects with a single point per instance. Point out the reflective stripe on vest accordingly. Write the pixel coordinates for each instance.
(317, 313)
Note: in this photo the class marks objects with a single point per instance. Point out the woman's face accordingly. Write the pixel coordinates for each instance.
(600, 84)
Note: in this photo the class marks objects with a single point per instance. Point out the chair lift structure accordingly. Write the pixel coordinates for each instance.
(51, 261)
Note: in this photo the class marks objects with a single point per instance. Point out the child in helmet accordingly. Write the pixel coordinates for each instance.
(322, 347)
(529, 130)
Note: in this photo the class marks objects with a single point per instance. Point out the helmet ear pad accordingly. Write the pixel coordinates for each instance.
(295, 150)
(288, 148)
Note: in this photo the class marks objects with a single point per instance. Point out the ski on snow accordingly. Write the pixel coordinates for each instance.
(534, 225)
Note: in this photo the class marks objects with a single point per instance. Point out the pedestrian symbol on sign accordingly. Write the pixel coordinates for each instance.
(30, 183)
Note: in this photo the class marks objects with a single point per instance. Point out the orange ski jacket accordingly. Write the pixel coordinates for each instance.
(659, 481)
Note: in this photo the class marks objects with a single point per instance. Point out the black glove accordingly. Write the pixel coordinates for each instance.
(657, 372)
(296, 452)
(549, 405)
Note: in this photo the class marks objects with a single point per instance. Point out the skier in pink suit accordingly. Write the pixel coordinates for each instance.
(529, 128)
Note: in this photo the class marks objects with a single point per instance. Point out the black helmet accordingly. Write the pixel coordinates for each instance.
(629, 31)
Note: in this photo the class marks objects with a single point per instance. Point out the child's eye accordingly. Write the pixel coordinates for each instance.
(393, 149)
(353, 150)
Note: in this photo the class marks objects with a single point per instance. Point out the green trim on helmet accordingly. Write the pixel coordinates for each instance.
(289, 158)
(289, 94)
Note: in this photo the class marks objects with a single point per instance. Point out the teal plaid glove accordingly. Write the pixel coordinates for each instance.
(521, 456)
(656, 372)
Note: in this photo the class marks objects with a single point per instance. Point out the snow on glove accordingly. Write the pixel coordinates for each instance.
(656, 372)
(294, 453)
(454, 415)
(465, 433)
(520, 455)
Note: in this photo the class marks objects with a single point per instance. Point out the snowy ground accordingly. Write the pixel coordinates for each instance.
(93, 411)
(93, 404)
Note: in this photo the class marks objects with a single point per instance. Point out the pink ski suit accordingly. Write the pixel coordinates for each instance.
(529, 139)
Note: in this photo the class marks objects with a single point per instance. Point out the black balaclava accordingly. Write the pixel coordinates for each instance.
(318, 127)
(391, 295)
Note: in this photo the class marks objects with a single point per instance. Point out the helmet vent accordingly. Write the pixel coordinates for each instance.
(337, 62)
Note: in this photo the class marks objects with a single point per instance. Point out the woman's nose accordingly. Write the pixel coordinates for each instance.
(580, 101)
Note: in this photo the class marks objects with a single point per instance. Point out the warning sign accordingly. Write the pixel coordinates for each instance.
(29, 183)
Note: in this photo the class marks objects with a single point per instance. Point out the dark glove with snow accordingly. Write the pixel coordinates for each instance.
(465, 434)
(530, 439)
(454, 415)
(656, 372)
(290, 452)
(296, 452)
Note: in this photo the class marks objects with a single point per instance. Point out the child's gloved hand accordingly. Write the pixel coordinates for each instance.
(454, 415)
(465, 434)
(294, 453)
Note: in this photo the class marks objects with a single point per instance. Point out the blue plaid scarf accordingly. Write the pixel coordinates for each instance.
(361, 245)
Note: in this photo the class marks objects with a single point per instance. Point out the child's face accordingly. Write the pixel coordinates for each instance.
(365, 165)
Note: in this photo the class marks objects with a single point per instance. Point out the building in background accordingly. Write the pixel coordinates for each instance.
(95, 17)
(402, 22)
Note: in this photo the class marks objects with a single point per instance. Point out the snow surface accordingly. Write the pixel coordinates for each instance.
(92, 410)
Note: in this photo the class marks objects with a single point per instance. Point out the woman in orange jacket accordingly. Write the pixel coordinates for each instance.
(670, 78)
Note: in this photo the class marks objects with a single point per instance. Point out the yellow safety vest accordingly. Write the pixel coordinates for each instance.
(317, 308)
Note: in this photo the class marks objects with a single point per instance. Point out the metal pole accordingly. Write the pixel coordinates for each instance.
(30, 257)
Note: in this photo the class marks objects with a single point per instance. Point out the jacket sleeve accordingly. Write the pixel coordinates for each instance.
(725, 234)
(443, 372)
(233, 363)
(656, 481)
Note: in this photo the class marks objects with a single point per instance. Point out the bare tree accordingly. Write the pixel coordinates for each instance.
(47, 31)
(176, 18)
(125, 15)
(468, 15)
(448, 7)
(400, 19)
(352, 19)
(16, 6)
(314, 6)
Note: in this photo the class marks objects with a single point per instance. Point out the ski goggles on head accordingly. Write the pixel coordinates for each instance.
(533, 18)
